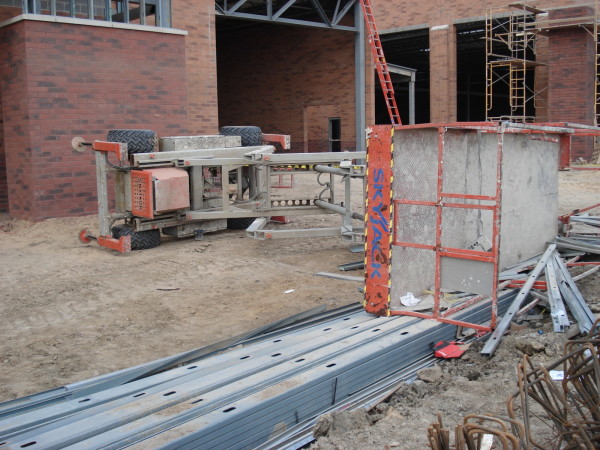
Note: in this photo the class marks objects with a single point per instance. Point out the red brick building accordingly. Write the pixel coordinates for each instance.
(77, 68)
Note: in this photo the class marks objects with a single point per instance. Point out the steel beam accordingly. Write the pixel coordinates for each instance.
(340, 14)
(288, 378)
(572, 297)
(494, 339)
(360, 80)
(304, 23)
(283, 9)
(321, 12)
(235, 7)
(574, 244)
(338, 209)
(557, 308)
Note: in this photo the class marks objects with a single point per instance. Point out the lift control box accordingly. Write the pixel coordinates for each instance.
(159, 190)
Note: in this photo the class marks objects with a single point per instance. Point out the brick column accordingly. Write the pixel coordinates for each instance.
(571, 77)
(60, 80)
(197, 17)
(442, 67)
(16, 145)
(541, 78)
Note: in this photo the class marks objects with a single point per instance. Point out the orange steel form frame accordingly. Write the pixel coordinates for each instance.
(440, 251)
(566, 218)
(378, 217)
(381, 221)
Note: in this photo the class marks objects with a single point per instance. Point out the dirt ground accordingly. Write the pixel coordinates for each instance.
(472, 384)
(72, 311)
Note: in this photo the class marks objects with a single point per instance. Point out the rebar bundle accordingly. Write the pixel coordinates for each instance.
(566, 402)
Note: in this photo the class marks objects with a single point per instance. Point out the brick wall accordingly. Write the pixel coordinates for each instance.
(64, 80)
(571, 76)
(8, 12)
(197, 17)
(289, 84)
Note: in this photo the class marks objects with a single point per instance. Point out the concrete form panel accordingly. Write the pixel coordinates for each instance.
(182, 143)
(528, 211)
(529, 197)
(474, 277)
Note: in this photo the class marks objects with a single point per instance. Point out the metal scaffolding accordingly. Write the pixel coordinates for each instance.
(510, 36)
(590, 23)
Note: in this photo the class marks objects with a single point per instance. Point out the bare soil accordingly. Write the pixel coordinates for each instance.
(72, 311)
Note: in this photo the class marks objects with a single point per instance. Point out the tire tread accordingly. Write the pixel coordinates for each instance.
(140, 240)
(138, 141)
(251, 136)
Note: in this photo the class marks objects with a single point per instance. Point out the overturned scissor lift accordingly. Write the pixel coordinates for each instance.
(187, 192)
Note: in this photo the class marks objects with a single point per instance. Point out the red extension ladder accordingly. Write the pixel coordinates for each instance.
(380, 63)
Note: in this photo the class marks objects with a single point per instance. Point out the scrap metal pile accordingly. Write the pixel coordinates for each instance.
(577, 247)
(561, 398)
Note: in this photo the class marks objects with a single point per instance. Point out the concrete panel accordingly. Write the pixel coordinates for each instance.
(529, 204)
(474, 277)
(182, 143)
(529, 197)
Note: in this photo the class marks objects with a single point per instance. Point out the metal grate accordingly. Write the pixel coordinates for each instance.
(141, 194)
(415, 165)
(411, 272)
(415, 223)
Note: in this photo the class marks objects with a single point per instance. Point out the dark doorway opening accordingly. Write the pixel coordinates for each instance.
(408, 49)
(470, 72)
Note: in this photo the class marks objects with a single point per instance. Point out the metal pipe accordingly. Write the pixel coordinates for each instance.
(329, 169)
(336, 208)
(142, 12)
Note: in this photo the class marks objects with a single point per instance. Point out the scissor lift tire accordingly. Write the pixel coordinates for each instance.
(138, 141)
(140, 240)
(251, 136)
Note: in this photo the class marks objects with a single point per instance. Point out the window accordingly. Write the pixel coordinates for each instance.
(335, 134)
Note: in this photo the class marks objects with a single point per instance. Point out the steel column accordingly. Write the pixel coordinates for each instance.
(359, 78)
(411, 100)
